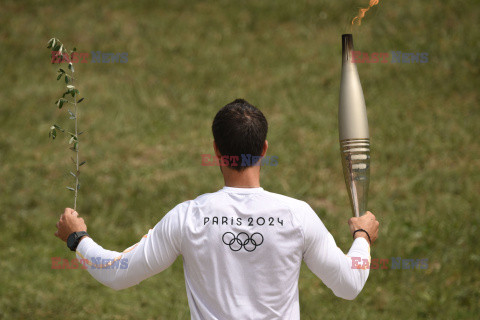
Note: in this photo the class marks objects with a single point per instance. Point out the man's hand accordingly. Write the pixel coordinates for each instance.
(367, 222)
(69, 222)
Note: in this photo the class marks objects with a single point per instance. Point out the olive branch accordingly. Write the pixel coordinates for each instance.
(69, 97)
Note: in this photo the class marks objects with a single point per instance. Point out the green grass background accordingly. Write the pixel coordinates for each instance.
(148, 122)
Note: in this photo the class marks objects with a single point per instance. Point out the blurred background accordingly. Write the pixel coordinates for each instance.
(148, 121)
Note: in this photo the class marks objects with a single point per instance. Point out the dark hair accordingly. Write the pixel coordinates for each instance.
(240, 129)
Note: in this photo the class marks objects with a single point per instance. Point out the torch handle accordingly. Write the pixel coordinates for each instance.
(356, 170)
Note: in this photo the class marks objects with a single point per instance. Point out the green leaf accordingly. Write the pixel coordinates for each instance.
(71, 189)
(60, 103)
(82, 163)
(61, 70)
(80, 100)
(66, 79)
(59, 76)
(52, 133)
(74, 49)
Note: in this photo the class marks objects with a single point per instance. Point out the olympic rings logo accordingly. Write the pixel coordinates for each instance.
(243, 240)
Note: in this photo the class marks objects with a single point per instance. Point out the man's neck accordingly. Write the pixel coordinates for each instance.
(248, 178)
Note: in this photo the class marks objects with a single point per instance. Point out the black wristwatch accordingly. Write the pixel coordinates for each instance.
(74, 238)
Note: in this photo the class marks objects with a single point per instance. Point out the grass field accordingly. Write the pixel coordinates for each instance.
(148, 122)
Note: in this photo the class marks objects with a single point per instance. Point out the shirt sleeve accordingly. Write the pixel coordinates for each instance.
(155, 252)
(344, 274)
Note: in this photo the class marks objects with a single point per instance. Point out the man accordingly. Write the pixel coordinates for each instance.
(242, 246)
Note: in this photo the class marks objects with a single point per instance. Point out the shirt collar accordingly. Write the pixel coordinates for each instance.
(241, 190)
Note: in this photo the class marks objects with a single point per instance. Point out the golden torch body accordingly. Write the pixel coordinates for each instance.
(353, 131)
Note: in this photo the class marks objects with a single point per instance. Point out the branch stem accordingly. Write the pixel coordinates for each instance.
(78, 145)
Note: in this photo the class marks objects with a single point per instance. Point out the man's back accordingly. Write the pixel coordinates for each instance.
(242, 250)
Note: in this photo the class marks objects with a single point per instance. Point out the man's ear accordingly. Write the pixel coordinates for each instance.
(217, 152)
(265, 147)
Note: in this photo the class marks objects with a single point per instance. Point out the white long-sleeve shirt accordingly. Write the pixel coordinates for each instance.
(242, 249)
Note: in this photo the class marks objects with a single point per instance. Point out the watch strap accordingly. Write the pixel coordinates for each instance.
(74, 238)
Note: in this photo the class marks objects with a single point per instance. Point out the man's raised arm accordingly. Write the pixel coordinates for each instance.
(343, 274)
(155, 252)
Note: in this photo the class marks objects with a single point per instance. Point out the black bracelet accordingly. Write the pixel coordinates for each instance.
(369, 240)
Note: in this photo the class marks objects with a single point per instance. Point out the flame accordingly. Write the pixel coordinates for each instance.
(361, 12)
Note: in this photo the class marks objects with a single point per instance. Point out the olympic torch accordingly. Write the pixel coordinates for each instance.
(353, 131)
